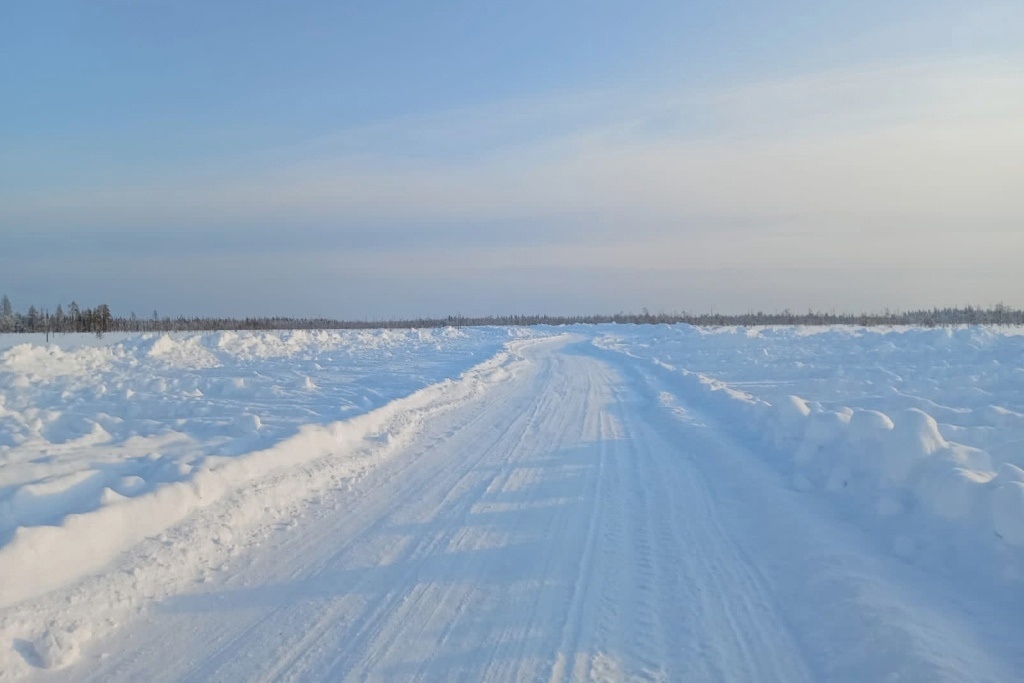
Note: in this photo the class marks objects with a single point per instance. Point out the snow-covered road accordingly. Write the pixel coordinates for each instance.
(580, 520)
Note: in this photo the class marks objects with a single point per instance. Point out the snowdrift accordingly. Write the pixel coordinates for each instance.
(103, 445)
(877, 424)
(99, 532)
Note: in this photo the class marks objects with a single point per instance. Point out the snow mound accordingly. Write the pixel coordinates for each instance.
(900, 424)
(188, 352)
(106, 442)
(914, 437)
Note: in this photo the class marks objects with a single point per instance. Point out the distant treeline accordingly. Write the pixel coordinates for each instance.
(100, 320)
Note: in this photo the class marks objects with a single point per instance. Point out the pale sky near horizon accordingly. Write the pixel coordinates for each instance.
(393, 159)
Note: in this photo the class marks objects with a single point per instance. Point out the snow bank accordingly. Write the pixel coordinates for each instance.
(235, 498)
(104, 443)
(914, 425)
(44, 557)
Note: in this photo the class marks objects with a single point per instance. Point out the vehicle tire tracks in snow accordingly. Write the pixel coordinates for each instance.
(563, 526)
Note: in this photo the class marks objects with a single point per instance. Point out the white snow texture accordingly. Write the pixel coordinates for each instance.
(596, 502)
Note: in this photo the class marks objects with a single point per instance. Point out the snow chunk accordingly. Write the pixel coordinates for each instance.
(914, 437)
(951, 493)
(789, 421)
(869, 426)
(822, 432)
(248, 423)
(60, 647)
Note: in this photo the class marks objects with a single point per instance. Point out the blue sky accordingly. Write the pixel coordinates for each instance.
(390, 159)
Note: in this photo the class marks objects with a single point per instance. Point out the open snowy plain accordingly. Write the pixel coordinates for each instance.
(611, 503)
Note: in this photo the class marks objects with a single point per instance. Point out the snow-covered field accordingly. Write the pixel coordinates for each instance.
(104, 444)
(605, 503)
(921, 429)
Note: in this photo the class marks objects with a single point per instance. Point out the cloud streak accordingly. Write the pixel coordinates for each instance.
(787, 192)
(922, 143)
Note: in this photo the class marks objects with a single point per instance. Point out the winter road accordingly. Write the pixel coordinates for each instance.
(576, 522)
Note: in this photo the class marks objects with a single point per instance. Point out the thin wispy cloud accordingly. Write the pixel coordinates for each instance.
(930, 141)
(863, 162)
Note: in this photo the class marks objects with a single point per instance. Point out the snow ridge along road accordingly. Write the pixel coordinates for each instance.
(575, 519)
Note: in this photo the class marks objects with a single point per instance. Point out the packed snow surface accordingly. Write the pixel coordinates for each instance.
(594, 503)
